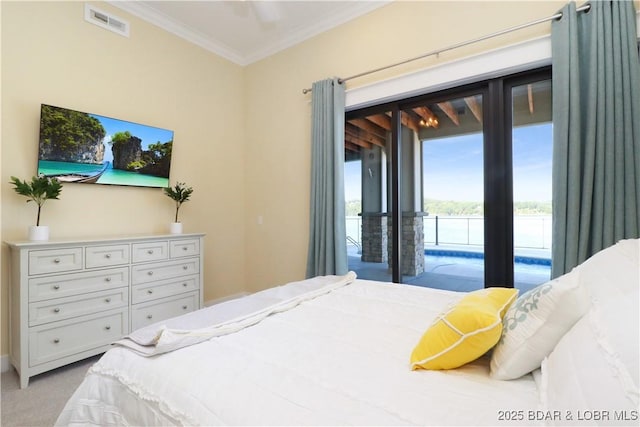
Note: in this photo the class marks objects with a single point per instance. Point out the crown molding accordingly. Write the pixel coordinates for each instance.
(164, 22)
(302, 33)
(296, 36)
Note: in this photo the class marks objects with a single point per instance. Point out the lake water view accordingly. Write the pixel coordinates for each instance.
(530, 231)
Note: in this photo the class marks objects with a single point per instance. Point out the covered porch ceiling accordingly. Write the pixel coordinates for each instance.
(531, 104)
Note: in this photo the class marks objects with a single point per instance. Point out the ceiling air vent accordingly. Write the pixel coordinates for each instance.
(106, 20)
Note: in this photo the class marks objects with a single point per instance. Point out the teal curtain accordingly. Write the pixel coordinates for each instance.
(327, 229)
(596, 131)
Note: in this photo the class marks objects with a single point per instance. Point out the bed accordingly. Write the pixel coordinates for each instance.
(337, 350)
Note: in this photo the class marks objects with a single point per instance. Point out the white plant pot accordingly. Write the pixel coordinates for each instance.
(176, 228)
(39, 232)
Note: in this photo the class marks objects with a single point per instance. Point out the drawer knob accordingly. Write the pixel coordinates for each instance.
(184, 284)
(108, 327)
(184, 267)
(150, 251)
(56, 287)
(184, 307)
(184, 248)
(56, 310)
(150, 273)
(149, 316)
(107, 300)
(107, 256)
(56, 261)
(150, 291)
(56, 340)
(107, 279)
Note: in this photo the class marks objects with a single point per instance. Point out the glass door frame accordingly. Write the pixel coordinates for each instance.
(512, 81)
(457, 92)
(498, 176)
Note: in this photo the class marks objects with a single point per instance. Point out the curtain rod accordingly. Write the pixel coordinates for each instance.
(585, 7)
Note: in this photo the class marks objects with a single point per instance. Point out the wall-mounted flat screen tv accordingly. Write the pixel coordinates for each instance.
(91, 149)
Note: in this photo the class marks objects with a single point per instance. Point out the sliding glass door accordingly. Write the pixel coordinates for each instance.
(449, 193)
(532, 138)
(447, 167)
(368, 139)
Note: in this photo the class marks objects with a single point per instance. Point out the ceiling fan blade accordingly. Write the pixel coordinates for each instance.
(266, 11)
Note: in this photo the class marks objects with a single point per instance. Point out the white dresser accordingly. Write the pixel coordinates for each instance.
(70, 299)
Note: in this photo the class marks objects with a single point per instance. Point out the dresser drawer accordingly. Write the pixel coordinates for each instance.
(166, 270)
(164, 288)
(65, 308)
(106, 256)
(149, 251)
(162, 309)
(59, 339)
(43, 288)
(183, 248)
(55, 260)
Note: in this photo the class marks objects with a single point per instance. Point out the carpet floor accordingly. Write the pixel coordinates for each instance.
(42, 401)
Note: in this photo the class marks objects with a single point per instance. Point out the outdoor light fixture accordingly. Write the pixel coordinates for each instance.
(431, 122)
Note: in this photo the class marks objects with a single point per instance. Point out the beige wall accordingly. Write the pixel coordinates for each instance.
(50, 54)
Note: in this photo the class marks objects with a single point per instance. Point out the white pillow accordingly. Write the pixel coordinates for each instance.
(612, 271)
(535, 323)
(591, 377)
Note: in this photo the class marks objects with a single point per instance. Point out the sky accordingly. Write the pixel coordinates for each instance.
(148, 134)
(453, 167)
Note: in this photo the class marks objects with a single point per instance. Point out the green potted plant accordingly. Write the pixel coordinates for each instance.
(179, 193)
(39, 190)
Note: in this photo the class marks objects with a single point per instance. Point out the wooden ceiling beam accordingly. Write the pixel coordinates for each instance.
(356, 141)
(370, 126)
(451, 112)
(352, 147)
(369, 129)
(353, 130)
(410, 121)
(381, 120)
(475, 108)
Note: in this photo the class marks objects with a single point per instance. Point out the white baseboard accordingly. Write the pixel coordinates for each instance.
(223, 299)
(4, 363)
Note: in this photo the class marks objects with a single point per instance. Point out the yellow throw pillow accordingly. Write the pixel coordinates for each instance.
(465, 331)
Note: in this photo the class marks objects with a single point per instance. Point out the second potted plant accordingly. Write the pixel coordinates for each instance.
(39, 190)
(180, 193)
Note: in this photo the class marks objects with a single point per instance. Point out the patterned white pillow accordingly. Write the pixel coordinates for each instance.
(535, 323)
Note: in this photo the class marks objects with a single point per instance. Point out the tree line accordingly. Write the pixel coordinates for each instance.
(458, 208)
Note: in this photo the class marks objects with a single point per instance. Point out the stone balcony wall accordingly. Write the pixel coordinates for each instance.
(412, 243)
(374, 238)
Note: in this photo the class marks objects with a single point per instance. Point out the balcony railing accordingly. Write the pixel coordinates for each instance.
(529, 231)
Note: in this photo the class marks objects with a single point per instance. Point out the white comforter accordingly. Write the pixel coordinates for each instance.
(341, 358)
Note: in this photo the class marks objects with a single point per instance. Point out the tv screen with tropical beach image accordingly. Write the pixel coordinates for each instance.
(92, 149)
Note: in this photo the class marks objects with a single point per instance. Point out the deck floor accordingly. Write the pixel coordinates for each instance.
(456, 273)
